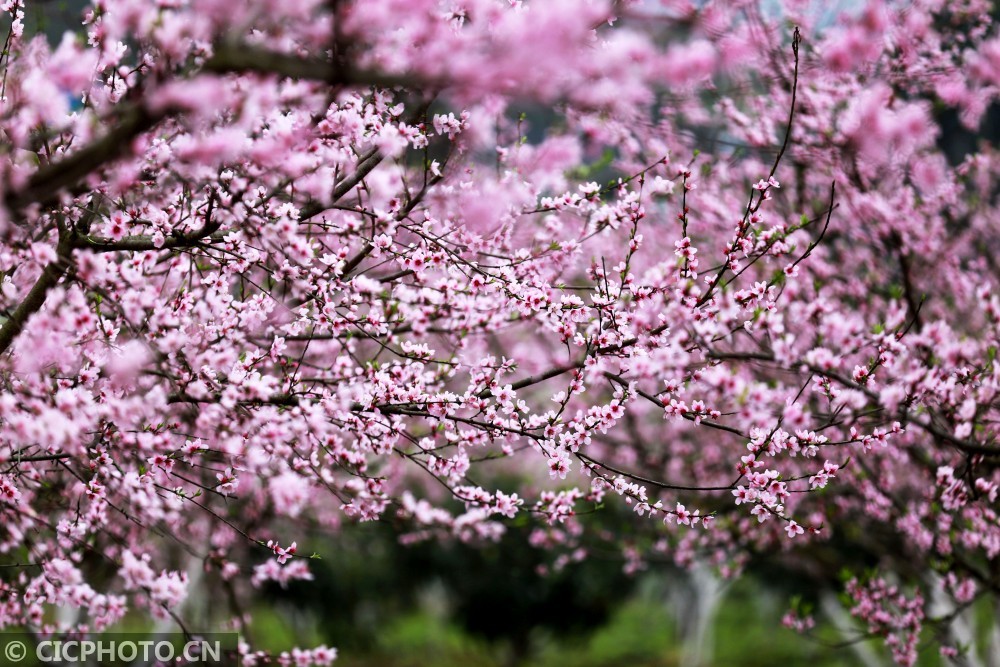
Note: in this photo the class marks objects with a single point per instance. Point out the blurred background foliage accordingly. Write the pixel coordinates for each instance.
(442, 604)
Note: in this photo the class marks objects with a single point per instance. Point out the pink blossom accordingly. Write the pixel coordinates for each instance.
(282, 553)
(793, 529)
(249, 290)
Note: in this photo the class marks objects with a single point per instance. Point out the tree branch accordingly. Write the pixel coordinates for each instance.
(45, 184)
(236, 58)
(144, 242)
(51, 275)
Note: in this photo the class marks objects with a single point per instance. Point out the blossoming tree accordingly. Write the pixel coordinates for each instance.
(272, 265)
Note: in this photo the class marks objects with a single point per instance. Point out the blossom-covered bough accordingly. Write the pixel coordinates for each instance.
(270, 266)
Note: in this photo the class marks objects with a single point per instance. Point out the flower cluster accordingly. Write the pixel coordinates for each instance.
(247, 288)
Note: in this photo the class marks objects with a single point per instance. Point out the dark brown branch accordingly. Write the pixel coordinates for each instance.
(535, 379)
(144, 242)
(238, 58)
(134, 119)
(285, 400)
(622, 382)
(909, 292)
(41, 457)
(796, 39)
(45, 184)
(652, 482)
(51, 275)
